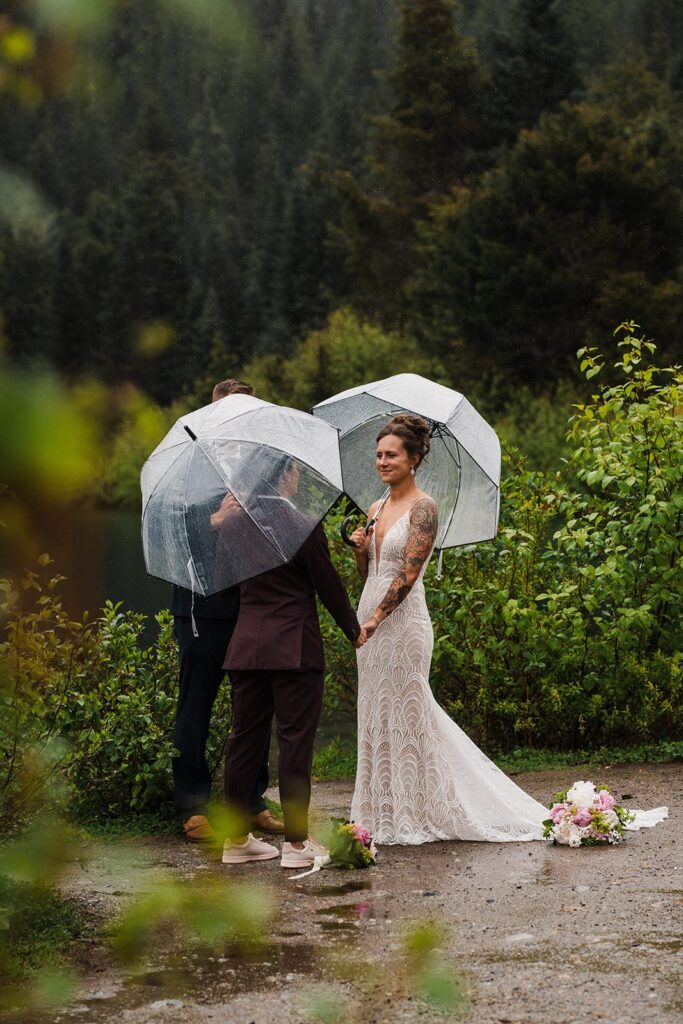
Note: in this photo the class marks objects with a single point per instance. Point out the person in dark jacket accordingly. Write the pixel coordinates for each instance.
(201, 674)
(276, 662)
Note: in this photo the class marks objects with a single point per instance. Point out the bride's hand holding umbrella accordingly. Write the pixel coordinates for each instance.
(361, 539)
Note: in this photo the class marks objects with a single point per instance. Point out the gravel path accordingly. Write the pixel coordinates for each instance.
(528, 932)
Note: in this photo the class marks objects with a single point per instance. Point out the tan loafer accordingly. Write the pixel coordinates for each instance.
(266, 821)
(198, 830)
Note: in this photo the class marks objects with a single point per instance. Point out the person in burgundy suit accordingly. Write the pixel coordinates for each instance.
(276, 663)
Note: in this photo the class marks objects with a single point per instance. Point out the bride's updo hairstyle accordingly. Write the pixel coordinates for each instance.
(413, 431)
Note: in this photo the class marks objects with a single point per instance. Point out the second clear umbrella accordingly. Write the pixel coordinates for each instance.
(462, 471)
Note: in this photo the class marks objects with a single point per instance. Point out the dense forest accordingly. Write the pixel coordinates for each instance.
(263, 187)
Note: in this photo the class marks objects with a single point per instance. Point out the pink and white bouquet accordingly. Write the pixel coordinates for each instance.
(350, 845)
(585, 816)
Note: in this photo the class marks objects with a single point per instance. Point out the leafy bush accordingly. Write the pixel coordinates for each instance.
(139, 426)
(96, 699)
(346, 352)
(536, 424)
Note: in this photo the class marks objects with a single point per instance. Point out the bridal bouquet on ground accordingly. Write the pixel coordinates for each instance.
(586, 816)
(349, 845)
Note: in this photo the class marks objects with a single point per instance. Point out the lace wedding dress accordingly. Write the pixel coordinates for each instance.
(419, 777)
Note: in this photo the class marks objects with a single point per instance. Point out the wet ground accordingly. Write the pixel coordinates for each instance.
(530, 932)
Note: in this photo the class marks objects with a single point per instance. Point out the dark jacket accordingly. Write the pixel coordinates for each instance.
(278, 622)
(217, 606)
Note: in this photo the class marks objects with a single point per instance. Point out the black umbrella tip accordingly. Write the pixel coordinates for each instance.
(190, 432)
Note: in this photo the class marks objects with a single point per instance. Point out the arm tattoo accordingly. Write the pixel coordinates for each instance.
(424, 520)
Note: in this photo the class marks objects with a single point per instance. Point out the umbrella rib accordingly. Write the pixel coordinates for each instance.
(165, 472)
(217, 468)
(453, 512)
(187, 478)
(455, 503)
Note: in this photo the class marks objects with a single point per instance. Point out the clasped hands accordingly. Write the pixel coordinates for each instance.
(366, 631)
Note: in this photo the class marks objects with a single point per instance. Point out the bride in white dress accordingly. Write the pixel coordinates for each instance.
(419, 777)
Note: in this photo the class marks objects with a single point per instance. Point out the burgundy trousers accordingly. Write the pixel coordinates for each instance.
(295, 698)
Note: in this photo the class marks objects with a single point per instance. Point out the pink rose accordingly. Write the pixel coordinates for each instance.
(606, 801)
(557, 812)
(583, 817)
(362, 834)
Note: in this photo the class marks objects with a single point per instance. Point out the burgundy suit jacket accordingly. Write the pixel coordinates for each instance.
(278, 624)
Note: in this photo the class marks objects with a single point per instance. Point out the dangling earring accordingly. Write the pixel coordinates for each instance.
(412, 470)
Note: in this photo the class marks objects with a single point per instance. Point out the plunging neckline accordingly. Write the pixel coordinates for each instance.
(395, 523)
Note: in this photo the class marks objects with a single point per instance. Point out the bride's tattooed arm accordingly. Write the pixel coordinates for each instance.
(424, 520)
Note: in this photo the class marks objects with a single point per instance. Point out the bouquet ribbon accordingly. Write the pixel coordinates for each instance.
(318, 863)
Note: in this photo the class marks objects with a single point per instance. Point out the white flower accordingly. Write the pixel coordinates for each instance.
(582, 794)
(611, 817)
(562, 831)
(575, 835)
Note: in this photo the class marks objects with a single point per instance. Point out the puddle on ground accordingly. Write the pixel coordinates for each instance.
(659, 945)
(336, 890)
(207, 978)
(199, 978)
(348, 917)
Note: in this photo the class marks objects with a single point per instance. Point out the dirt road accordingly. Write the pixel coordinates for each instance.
(530, 933)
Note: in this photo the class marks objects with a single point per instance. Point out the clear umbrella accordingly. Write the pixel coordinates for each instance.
(462, 471)
(233, 490)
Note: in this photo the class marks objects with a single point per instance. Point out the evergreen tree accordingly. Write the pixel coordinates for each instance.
(148, 278)
(420, 148)
(532, 67)
(214, 236)
(28, 298)
(580, 225)
(659, 27)
(422, 144)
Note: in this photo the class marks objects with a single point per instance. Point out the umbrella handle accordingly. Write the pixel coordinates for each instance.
(348, 522)
(344, 530)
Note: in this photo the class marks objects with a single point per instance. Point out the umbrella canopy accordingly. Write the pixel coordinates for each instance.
(233, 490)
(462, 471)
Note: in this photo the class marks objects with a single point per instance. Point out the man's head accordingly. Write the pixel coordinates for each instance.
(231, 386)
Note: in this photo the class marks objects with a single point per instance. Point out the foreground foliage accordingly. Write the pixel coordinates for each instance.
(94, 701)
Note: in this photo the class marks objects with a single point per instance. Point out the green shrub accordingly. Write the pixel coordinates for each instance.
(344, 353)
(96, 699)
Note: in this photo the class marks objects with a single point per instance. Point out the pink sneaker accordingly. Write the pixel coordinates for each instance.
(250, 849)
(305, 858)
